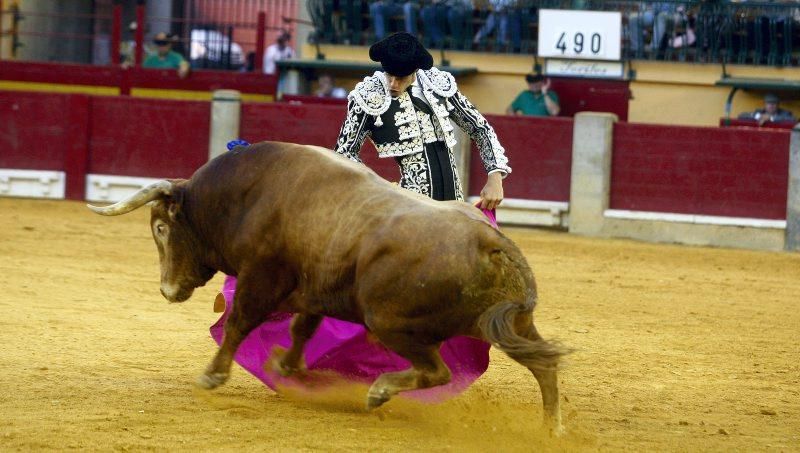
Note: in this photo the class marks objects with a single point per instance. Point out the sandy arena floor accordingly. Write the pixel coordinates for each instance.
(678, 349)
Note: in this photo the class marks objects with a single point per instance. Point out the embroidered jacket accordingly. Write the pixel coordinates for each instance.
(397, 130)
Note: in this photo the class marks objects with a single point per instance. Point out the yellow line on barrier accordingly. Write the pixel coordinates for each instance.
(56, 88)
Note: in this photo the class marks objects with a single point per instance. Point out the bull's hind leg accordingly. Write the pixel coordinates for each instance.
(427, 370)
(547, 379)
(287, 362)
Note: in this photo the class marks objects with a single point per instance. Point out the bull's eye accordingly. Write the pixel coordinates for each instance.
(161, 229)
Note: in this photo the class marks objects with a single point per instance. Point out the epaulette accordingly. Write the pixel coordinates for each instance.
(441, 82)
(372, 94)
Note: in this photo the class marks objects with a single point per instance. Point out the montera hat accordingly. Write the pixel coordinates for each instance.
(401, 54)
(533, 78)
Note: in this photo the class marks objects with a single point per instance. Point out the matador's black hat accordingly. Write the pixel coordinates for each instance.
(401, 54)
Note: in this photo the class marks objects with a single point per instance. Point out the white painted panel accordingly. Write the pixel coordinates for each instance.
(517, 211)
(113, 188)
(696, 219)
(32, 183)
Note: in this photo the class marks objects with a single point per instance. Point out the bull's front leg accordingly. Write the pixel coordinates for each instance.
(287, 362)
(240, 323)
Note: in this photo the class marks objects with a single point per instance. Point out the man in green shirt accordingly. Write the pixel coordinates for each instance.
(165, 57)
(537, 100)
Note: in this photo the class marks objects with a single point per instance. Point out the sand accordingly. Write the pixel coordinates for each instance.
(677, 348)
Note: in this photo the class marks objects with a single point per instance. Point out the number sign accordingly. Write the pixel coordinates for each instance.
(590, 35)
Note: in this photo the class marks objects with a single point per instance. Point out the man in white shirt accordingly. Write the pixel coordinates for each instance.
(277, 52)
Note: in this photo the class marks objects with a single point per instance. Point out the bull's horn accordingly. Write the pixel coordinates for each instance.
(147, 194)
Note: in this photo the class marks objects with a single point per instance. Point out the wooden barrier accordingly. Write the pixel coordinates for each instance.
(736, 172)
(30, 76)
(102, 147)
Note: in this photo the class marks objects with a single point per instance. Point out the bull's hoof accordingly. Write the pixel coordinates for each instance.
(554, 427)
(376, 400)
(284, 371)
(210, 381)
(276, 363)
(557, 431)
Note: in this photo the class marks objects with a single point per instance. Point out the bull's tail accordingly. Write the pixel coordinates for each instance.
(528, 348)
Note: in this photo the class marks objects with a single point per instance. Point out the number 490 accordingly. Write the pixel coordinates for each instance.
(578, 41)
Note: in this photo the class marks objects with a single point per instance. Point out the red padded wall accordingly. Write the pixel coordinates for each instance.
(153, 138)
(592, 95)
(539, 151)
(33, 127)
(306, 124)
(699, 170)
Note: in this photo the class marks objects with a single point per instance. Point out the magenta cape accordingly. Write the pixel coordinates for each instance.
(345, 349)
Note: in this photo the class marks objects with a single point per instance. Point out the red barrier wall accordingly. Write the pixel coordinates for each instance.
(592, 95)
(692, 170)
(306, 124)
(33, 129)
(81, 134)
(539, 151)
(125, 79)
(148, 137)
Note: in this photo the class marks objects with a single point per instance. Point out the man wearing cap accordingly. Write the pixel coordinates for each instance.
(165, 57)
(770, 113)
(406, 111)
(537, 100)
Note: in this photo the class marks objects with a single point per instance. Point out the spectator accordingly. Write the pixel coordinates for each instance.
(328, 89)
(165, 57)
(383, 10)
(440, 13)
(770, 113)
(659, 16)
(278, 51)
(321, 13)
(127, 48)
(537, 100)
(505, 16)
(249, 62)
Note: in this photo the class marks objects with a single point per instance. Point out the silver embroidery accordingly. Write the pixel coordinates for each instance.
(413, 145)
(353, 132)
(405, 114)
(456, 181)
(408, 131)
(429, 134)
(372, 94)
(441, 82)
(475, 125)
(415, 174)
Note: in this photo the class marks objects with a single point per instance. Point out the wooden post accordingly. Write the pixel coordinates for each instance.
(116, 31)
(261, 29)
(140, 16)
(76, 161)
(2, 30)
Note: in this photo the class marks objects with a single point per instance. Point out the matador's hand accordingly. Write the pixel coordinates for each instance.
(492, 193)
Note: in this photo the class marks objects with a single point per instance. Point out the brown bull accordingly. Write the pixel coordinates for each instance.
(309, 232)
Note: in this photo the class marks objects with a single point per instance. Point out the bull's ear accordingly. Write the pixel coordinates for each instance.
(175, 202)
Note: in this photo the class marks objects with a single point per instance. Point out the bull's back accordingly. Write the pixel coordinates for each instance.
(437, 273)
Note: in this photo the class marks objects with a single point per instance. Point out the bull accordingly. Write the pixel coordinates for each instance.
(309, 232)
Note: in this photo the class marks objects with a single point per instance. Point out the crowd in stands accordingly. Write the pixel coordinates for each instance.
(740, 31)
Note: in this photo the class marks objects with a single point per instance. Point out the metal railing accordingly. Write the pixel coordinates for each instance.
(719, 31)
(210, 34)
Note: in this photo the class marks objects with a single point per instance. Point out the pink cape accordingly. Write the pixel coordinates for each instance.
(345, 349)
